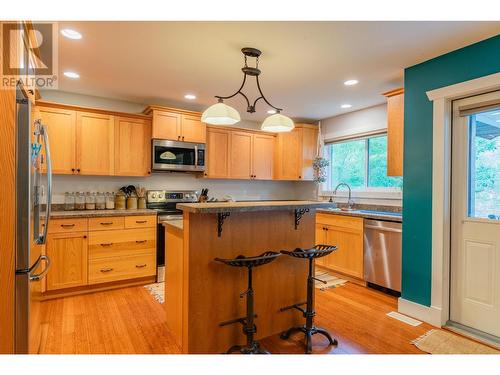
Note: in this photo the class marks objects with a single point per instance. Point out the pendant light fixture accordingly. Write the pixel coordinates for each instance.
(222, 114)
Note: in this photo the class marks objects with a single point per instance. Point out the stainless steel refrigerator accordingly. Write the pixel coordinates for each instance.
(33, 189)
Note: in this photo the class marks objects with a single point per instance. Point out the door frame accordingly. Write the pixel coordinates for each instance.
(438, 313)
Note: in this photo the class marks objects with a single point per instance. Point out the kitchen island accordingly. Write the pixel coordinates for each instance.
(201, 293)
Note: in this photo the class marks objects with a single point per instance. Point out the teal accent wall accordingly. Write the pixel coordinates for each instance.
(467, 63)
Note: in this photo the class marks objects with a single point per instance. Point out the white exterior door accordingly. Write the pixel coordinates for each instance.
(475, 214)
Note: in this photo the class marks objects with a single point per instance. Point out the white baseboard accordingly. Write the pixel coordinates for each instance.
(431, 315)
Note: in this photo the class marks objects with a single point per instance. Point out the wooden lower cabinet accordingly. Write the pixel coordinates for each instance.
(105, 249)
(346, 233)
(68, 255)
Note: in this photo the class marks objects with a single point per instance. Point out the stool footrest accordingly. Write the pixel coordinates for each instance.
(243, 321)
(294, 306)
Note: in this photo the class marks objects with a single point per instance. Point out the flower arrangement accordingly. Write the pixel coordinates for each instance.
(319, 167)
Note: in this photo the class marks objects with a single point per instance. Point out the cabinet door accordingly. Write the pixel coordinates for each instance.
(309, 145)
(320, 240)
(240, 157)
(193, 130)
(132, 147)
(289, 155)
(263, 156)
(348, 258)
(61, 126)
(95, 143)
(167, 125)
(217, 158)
(395, 134)
(68, 254)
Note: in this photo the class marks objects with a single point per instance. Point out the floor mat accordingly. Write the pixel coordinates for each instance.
(331, 280)
(438, 341)
(157, 290)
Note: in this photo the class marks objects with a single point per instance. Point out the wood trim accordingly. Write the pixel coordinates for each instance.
(92, 110)
(150, 108)
(394, 92)
(7, 224)
(97, 287)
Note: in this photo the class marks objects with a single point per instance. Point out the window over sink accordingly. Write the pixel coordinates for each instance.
(361, 163)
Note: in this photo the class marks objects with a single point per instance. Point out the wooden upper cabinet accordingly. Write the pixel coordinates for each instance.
(177, 125)
(167, 125)
(295, 152)
(240, 157)
(95, 143)
(217, 153)
(61, 126)
(68, 254)
(263, 156)
(193, 130)
(132, 146)
(395, 131)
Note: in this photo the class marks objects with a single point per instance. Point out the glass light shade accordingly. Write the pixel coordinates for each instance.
(220, 114)
(277, 123)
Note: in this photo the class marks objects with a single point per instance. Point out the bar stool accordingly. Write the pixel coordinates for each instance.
(249, 327)
(309, 329)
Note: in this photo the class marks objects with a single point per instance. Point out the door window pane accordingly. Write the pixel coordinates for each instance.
(377, 164)
(347, 161)
(484, 165)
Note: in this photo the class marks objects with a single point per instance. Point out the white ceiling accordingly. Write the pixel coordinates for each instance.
(304, 64)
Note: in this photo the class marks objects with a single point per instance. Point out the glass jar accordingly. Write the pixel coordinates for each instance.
(80, 201)
(100, 201)
(110, 201)
(90, 201)
(120, 201)
(69, 201)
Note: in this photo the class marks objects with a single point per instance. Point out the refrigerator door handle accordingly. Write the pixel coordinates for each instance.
(41, 275)
(43, 132)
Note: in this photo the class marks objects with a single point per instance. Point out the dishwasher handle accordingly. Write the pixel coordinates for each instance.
(383, 229)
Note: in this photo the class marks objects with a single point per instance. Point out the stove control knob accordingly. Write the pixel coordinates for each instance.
(153, 195)
(160, 196)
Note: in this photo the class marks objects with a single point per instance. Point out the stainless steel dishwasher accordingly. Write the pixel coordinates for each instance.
(382, 249)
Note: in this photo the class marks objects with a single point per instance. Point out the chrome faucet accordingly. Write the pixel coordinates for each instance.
(350, 202)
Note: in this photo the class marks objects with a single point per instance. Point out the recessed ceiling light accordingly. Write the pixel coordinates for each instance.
(71, 34)
(73, 75)
(346, 106)
(271, 111)
(190, 96)
(351, 82)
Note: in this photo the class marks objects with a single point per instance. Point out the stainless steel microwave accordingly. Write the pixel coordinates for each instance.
(177, 156)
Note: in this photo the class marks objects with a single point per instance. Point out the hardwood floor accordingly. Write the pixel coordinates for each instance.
(130, 321)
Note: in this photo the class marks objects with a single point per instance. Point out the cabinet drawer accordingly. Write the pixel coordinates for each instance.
(348, 222)
(124, 242)
(105, 223)
(121, 268)
(67, 225)
(140, 221)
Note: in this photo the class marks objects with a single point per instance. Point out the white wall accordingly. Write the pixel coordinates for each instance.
(239, 189)
(364, 121)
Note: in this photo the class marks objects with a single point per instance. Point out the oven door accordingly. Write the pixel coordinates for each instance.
(177, 156)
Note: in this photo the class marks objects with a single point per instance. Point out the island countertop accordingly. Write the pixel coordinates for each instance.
(100, 213)
(249, 206)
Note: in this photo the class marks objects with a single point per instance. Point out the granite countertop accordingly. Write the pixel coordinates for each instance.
(100, 213)
(367, 214)
(218, 207)
(179, 224)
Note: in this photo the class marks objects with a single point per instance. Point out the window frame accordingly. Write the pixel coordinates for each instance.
(366, 191)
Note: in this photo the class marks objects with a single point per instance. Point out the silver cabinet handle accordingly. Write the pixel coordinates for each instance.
(41, 275)
(104, 270)
(67, 225)
(141, 221)
(141, 241)
(107, 244)
(107, 223)
(140, 265)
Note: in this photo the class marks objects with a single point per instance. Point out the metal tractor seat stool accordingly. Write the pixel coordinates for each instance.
(249, 328)
(309, 329)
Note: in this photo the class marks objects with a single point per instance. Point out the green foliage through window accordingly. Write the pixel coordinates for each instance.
(360, 163)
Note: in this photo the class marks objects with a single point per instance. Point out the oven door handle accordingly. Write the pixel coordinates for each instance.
(196, 155)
